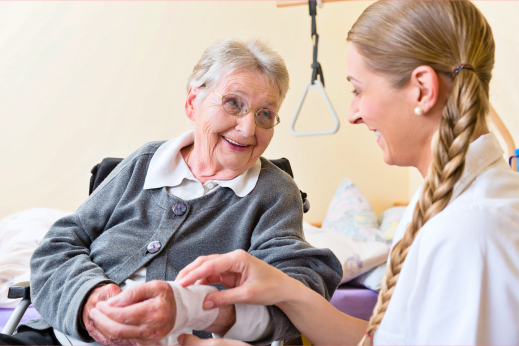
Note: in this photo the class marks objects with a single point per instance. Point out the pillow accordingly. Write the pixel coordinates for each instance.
(20, 234)
(388, 222)
(372, 279)
(351, 213)
(356, 255)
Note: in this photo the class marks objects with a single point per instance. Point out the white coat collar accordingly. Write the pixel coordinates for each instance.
(483, 152)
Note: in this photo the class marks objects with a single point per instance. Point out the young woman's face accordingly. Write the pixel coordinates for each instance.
(403, 136)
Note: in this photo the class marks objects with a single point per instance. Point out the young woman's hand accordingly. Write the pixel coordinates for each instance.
(251, 280)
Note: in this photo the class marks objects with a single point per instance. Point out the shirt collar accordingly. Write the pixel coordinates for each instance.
(483, 152)
(168, 168)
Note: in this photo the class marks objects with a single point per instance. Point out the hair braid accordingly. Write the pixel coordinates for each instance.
(443, 35)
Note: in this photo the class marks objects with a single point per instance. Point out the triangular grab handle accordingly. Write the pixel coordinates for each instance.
(317, 85)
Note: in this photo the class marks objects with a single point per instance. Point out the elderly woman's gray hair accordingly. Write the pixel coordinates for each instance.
(228, 56)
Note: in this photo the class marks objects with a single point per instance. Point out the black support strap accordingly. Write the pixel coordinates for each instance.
(316, 66)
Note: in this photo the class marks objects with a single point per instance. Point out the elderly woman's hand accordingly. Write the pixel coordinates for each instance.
(188, 339)
(101, 293)
(141, 315)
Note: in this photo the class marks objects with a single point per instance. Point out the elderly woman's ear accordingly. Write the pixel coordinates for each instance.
(190, 102)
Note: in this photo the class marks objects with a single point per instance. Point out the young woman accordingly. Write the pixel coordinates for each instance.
(420, 72)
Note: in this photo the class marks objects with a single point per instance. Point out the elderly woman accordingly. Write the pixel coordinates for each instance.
(208, 191)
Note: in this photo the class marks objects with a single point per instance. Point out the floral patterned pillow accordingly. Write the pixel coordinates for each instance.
(372, 279)
(351, 213)
(388, 222)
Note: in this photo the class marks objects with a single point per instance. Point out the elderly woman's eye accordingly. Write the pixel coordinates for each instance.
(234, 105)
(265, 113)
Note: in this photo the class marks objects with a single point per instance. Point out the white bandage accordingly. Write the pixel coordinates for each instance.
(190, 315)
(252, 323)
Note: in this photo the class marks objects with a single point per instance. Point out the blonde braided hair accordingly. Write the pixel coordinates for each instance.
(396, 37)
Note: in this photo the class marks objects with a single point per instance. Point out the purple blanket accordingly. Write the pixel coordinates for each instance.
(354, 301)
(30, 314)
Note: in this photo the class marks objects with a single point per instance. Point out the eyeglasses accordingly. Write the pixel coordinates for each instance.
(236, 106)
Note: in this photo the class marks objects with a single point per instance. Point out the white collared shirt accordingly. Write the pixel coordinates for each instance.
(168, 169)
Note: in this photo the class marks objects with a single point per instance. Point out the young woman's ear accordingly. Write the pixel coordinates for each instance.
(190, 102)
(426, 87)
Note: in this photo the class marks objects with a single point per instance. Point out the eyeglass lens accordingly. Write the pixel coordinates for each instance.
(236, 105)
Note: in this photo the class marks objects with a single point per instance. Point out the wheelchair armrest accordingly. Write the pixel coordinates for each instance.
(20, 290)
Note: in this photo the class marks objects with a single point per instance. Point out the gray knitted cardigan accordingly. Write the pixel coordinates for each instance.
(105, 240)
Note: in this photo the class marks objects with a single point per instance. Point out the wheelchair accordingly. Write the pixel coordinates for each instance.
(99, 173)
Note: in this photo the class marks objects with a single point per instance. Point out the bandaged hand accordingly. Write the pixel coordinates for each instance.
(158, 312)
(143, 314)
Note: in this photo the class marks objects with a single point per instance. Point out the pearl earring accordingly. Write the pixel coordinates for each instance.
(418, 111)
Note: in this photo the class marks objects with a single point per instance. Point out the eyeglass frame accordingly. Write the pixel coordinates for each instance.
(278, 119)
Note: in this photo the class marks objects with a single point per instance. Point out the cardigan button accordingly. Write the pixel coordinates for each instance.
(154, 246)
(179, 209)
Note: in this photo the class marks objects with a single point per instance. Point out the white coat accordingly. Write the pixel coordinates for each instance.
(460, 282)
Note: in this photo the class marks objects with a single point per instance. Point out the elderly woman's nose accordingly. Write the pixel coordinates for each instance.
(246, 124)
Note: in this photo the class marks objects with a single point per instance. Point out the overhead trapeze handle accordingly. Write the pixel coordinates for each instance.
(316, 85)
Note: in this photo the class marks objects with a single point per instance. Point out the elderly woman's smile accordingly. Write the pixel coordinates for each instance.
(227, 145)
(243, 145)
(235, 144)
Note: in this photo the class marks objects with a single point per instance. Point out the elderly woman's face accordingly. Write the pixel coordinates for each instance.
(234, 143)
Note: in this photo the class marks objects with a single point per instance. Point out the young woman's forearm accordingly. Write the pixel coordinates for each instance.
(318, 320)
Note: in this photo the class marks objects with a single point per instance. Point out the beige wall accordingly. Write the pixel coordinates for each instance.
(80, 81)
